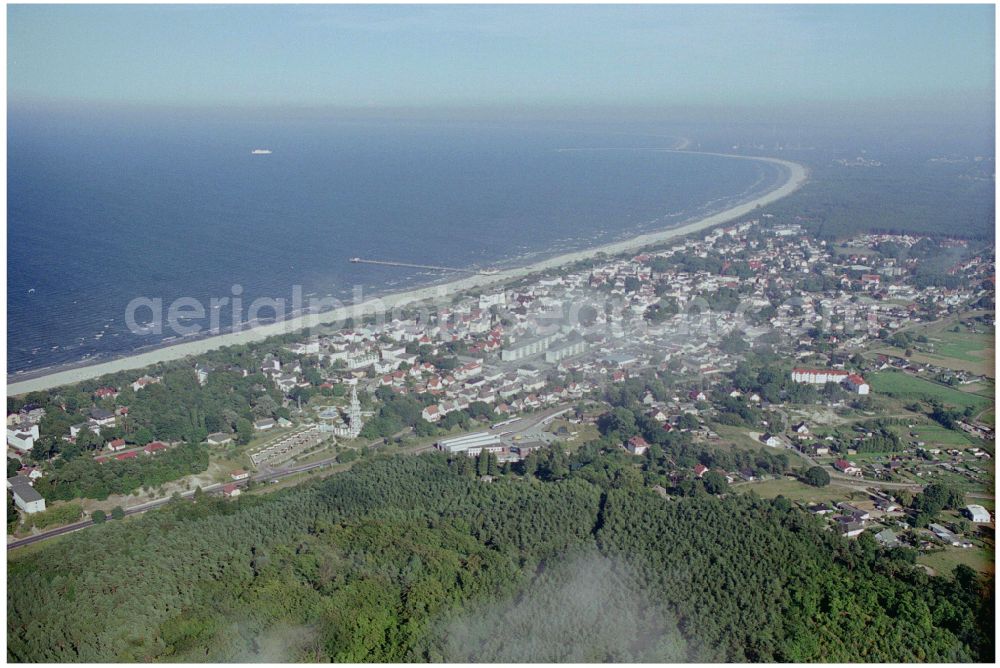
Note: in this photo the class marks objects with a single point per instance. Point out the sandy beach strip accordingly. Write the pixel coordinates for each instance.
(797, 175)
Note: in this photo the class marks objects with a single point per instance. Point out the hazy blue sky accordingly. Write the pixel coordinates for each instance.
(509, 56)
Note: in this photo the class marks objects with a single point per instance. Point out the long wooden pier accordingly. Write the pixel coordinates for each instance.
(432, 267)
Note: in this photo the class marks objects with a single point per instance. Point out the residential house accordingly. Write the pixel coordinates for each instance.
(32, 473)
(144, 381)
(431, 413)
(219, 438)
(887, 538)
(846, 467)
(637, 445)
(855, 512)
(102, 418)
(849, 527)
(75, 429)
(821, 509)
(155, 448)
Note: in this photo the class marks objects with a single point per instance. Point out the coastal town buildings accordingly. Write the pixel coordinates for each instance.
(679, 318)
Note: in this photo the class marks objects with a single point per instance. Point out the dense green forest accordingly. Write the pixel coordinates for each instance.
(414, 558)
(906, 194)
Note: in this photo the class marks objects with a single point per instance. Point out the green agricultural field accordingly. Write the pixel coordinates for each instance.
(905, 386)
(944, 561)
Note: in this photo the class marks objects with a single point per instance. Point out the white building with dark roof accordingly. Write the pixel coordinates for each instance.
(977, 514)
(25, 496)
(22, 438)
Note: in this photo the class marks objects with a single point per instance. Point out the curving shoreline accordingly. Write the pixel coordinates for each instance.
(797, 175)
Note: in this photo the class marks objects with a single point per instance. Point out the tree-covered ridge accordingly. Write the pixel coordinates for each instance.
(415, 559)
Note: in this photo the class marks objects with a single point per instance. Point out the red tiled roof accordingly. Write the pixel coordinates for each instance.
(829, 372)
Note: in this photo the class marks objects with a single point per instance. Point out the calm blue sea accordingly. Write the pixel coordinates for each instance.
(103, 210)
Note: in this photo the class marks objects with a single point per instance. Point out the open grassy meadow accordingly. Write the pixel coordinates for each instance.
(970, 349)
(933, 434)
(905, 386)
(575, 435)
(966, 344)
(797, 491)
(945, 560)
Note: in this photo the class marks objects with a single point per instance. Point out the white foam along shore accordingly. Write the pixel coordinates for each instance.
(797, 175)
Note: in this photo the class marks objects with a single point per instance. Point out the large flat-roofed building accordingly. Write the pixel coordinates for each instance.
(471, 444)
(977, 514)
(573, 345)
(528, 347)
(620, 360)
(497, 299)
(819, 376)
(854, 382)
